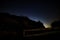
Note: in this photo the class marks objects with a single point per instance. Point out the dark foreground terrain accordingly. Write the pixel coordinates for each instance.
(53, 35)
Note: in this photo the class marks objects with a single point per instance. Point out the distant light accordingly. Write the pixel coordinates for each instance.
(47, 26)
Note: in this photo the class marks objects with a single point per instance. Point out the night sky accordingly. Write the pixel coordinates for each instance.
(44, 11)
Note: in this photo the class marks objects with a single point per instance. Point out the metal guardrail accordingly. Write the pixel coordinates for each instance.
(41, 34)
(38, 29)
(34, 29)
(44, 32)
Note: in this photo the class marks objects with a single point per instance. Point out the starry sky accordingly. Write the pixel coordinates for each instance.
(44, 11)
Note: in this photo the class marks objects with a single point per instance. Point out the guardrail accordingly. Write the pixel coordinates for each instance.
(41, 34)
(35, 29)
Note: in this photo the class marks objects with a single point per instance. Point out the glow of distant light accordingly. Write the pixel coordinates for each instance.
(47, 26)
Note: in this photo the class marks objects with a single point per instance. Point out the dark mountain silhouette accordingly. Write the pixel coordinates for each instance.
(19, 20)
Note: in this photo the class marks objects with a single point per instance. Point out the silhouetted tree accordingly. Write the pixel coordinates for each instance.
(55, 24)
(11, 23)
